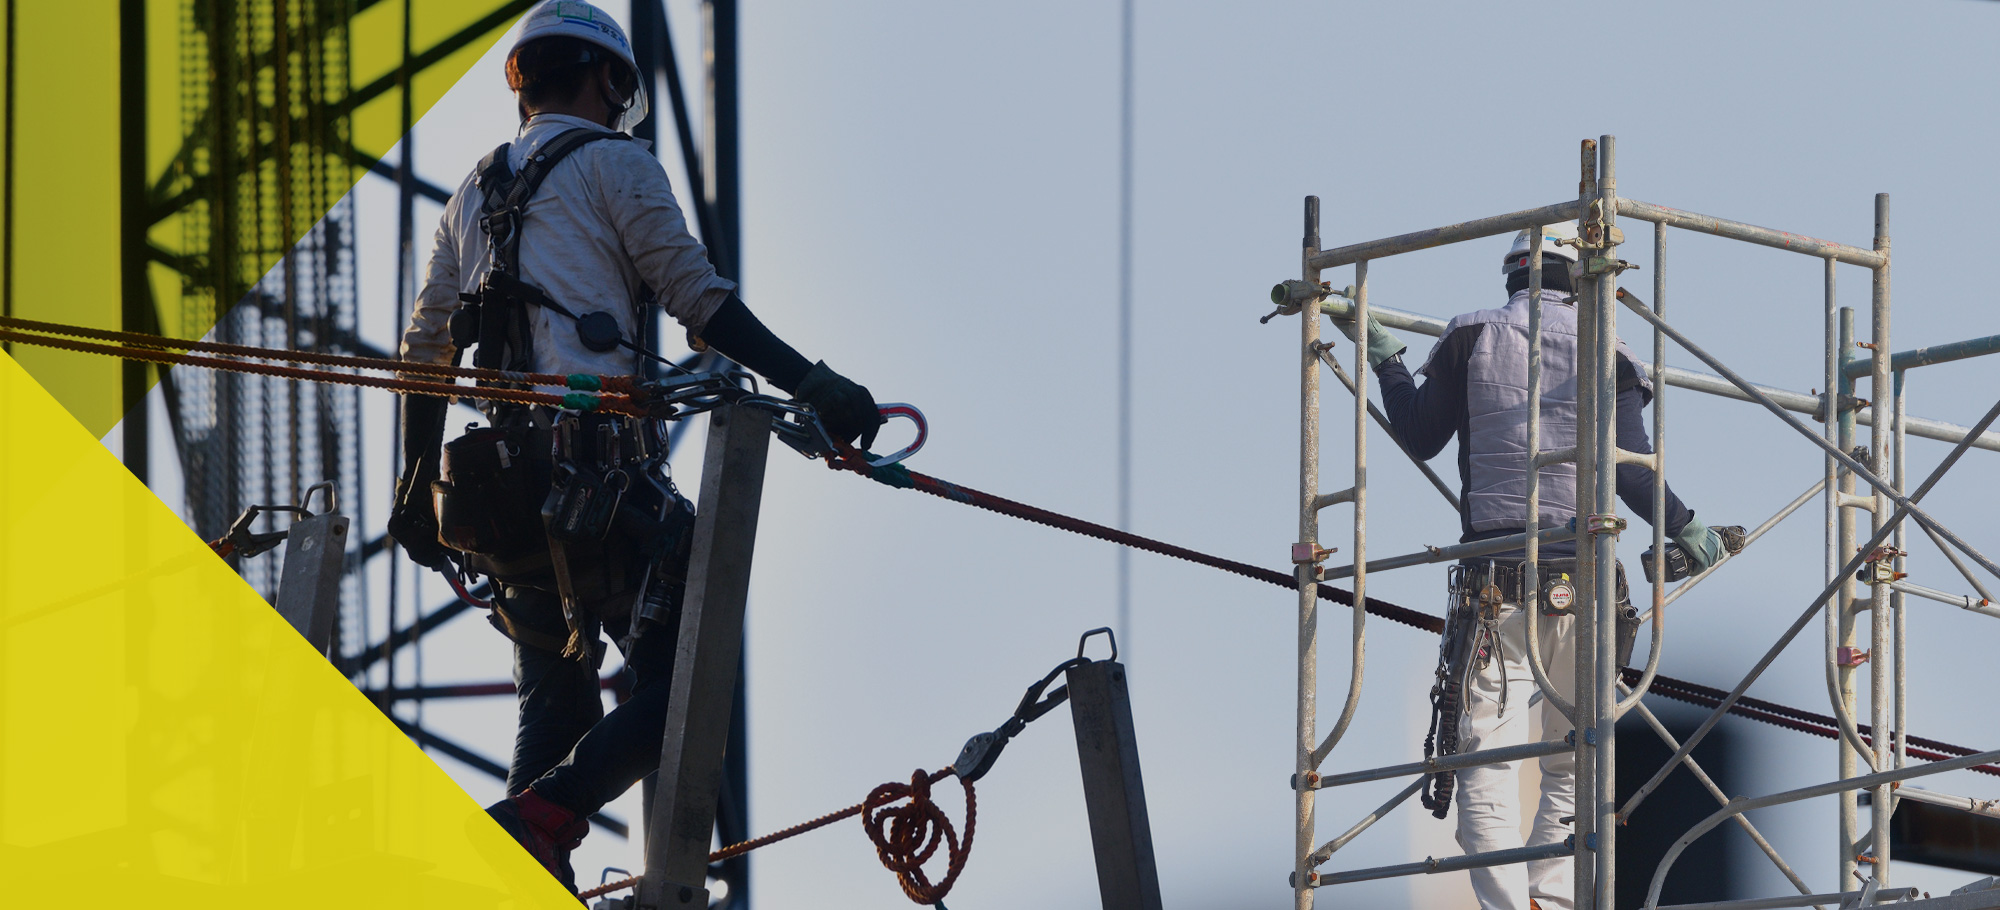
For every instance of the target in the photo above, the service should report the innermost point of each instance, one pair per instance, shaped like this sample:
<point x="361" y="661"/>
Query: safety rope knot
<point x="914" y="831"/>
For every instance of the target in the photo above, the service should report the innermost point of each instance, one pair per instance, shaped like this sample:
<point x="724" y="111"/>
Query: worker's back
<point x="1496" y="431"/>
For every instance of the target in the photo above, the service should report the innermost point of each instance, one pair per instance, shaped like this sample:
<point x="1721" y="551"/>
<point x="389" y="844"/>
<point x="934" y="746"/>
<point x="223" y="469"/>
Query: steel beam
<point x="706" y="661"/>
<point x="1107" y="750"/>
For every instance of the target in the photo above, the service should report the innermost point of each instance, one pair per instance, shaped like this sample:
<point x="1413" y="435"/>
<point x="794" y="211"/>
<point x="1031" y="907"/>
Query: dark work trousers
<point x="573" y="753"/>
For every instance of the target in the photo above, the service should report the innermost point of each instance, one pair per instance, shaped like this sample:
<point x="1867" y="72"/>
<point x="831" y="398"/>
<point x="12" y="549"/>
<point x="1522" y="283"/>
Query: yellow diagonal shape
<point x="167" y="740"/>
<point x="66" y="146"/>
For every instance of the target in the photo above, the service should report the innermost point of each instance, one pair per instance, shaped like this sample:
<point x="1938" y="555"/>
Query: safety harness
<point x="495" y="317"/>
<point x="608" y="472"/>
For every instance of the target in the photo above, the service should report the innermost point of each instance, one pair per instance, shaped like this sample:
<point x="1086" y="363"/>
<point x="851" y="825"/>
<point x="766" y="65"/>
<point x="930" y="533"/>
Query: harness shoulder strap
<point x="506" y="192"/>
<point x="548" y="156"/>
<point x="493" y="177"/>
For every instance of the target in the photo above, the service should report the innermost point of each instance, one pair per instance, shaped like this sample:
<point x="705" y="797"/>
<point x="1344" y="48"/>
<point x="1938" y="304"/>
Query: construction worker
<point x="1475" y="389"/>
<point x="543" y="261"/>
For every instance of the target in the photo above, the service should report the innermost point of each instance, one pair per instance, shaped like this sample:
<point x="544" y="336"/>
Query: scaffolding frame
<point x="1601" y="697"/>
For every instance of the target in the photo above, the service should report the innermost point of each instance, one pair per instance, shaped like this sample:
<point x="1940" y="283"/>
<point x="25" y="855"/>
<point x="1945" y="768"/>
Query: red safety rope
<point x="1664" y="686"/>
<point x="895" y="847"/>
<point x="905" y="836"/>
<point x="899" y="476"/>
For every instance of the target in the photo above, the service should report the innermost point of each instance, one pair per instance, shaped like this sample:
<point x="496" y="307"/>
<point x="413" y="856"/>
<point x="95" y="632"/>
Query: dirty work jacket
<point x="1476" y="389"/>
<point x="602" y="229"/>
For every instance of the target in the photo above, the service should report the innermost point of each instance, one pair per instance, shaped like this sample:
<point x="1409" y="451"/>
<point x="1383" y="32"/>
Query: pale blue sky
<point x="931" y="206"/>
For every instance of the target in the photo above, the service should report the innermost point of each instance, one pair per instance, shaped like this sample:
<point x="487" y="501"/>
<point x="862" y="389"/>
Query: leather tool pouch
<point x="487" y="496"/>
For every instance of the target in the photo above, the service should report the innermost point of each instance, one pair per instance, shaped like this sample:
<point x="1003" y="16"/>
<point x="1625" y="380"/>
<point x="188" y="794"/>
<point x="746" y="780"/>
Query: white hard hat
<point x="585" y="22"/>
<point x="1517" y="257"/>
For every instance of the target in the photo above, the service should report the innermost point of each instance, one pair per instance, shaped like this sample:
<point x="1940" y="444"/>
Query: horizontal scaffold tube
<point x="1737" y="230"/>
<point x="1923" y="357"/>
<point x="1837" y="899"/>
<point x="1449" y="234"/>
<point x="1797" y="402"/>
<point x="1987" y="807"/>
<point x="1449" y="864"/>
<point x="1498" y="756"/>
<point x="1455" y="551"/>
<point x="1740" y="805"/>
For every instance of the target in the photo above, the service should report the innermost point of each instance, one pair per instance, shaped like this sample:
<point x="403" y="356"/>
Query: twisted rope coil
<point x="913" y="833"/>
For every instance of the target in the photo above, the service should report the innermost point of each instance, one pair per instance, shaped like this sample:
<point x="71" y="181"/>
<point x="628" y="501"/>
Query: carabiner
<point x="908" y="412"/>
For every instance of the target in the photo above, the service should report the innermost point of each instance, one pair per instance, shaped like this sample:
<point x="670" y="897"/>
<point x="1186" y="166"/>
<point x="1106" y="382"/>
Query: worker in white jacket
<point x="545" y="260"/>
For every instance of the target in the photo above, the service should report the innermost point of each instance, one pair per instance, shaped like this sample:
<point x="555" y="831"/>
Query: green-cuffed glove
<point x="1382" y="343"/>
<point x="844" y="406"/>
<point x="1701" y="543"/>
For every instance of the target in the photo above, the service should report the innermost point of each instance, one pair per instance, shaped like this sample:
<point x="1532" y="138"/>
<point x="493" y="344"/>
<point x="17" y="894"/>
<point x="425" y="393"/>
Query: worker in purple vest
<point x="1476" y="390"/>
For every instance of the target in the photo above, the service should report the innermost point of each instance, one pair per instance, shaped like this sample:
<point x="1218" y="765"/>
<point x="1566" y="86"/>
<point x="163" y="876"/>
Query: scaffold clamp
<point x="1309" y="553"/>
<point x="1604" y="524"/>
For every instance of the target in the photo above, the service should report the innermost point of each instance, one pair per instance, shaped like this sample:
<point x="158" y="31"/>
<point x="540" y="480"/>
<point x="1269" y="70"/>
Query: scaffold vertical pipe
<point x="1307" y="569"/>
<point x="1604" y="536"/>
<point x="1359" y="618"/>
<point x="1658" y="608"/>
<point x="1840" y="616"/>
<point x="1531" y="577"/>
<point x="1583" y="629"/>
<point x="1896" y="597"/>
<point x="1880" y="695"/>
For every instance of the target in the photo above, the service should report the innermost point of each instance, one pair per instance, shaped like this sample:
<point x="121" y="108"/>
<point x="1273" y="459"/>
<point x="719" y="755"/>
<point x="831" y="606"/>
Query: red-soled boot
<point x="547" y="831"/>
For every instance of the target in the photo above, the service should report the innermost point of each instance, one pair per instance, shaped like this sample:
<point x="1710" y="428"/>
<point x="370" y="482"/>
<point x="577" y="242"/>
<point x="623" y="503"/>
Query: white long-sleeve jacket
<point x="602" y="229"/>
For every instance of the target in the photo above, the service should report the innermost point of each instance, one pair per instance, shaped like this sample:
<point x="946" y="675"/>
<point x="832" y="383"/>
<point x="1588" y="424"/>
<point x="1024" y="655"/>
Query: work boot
<point x="547" y="831"/>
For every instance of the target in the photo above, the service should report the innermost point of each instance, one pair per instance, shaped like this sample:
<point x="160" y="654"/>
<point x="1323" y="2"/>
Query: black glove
<point x="413" y="523"/>
<point x="413" y="515"/>
<point x="844" y="407"/>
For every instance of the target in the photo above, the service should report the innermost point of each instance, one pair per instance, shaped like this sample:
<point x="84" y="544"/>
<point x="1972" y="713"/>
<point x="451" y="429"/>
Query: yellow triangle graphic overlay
<point x="167" y="740"/>
<point x="66" y="216"/>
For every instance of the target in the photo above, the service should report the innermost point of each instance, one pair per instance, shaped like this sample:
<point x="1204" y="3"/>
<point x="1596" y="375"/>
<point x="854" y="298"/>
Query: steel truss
<point x="246" y="181"/>
<point x="1601" y="696"/>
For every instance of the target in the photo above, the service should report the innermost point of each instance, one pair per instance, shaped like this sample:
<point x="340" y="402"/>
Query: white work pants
<point x="1496" y="715"/>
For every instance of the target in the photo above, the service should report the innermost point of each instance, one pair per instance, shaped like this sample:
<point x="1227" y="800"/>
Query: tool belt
<point x="580" y="503"/>
<point x="1472" y="637"/>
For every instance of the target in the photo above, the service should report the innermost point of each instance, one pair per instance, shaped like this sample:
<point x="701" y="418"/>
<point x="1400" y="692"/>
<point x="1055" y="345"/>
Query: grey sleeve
<point x="640" y="204"/>
<point x="428" y="337"/>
